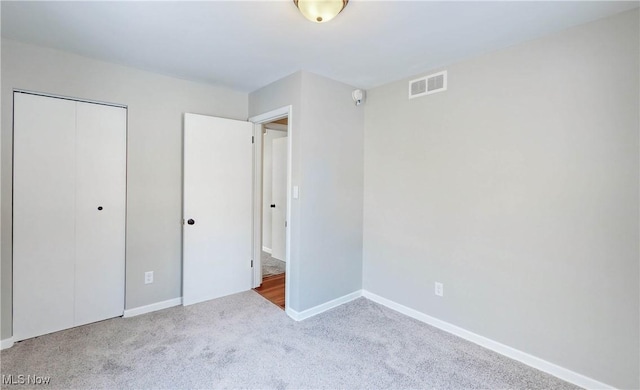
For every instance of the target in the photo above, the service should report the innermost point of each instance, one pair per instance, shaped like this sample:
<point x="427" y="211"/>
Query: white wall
<point x="267" y="140"/>
<point x="154" y="172"/>
<point x="326" y="223"/>
<point x="518" y="189"/>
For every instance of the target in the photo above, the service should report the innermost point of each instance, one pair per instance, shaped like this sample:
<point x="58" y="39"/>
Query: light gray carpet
<point x="271" y="266"/>
<point x="244" y="341"/>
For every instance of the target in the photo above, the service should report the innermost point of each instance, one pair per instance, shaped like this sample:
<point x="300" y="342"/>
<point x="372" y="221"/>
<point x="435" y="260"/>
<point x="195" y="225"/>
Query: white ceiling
<point x="246" y="45"/>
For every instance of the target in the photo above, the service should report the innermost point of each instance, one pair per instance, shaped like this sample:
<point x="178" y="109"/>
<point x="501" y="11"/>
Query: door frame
<point x="258" y="121"/>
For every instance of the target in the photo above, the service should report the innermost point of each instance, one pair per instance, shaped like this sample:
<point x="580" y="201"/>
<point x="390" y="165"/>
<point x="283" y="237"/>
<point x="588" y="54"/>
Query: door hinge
<point x="285" y="223"/>
<point x="183" y="221"/>
<point x="252" y="139"/>
<point x="251" y="263"/>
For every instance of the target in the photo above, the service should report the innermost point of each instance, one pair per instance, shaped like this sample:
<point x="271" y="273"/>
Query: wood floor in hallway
<point x="272" y="289"/>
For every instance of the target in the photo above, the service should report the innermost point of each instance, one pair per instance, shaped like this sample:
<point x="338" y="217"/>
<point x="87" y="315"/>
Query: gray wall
<point x="518" y="189"/>
<point x="154" y="195"/>
<point x="331" y="188"/>
<point x="326" y="223"/>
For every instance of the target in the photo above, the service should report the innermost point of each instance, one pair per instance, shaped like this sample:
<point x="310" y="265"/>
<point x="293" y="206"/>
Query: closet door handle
<point x="191" y="222"/>
<point x="273" y="206"/>
<point x="99" y="208"/>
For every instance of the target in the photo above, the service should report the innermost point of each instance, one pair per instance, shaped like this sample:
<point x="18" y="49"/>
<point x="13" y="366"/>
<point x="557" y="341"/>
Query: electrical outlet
<point x="148" y="277"/>
<point x="439" y="289"/>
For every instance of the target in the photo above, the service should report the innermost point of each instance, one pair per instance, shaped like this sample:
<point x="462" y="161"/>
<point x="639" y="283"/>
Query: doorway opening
<point x="272" y="205"/>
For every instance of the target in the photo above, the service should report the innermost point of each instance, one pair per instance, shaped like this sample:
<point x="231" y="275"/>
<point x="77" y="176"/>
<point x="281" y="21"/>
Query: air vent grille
<point x="427" y="85"/>
<point x="418" y="87"/>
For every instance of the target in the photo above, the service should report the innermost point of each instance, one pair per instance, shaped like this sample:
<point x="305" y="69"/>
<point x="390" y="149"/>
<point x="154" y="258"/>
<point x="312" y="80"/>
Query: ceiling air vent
<point x="433" y="83"/>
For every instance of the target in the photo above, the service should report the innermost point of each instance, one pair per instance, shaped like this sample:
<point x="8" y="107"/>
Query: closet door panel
<point x="100" y="212"/>
<point x="43" y="215"/>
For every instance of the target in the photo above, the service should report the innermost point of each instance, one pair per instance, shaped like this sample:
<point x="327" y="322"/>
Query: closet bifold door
<point x="100" y="212"/>
<point x="69" y="197"/>
<point x="43" y="215"/>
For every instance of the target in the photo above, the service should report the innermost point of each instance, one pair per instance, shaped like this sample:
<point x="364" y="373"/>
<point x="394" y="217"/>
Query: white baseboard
<point x="152" y="307"/>
<point x="523" y="357"/>
<point x="6" y="343"/>
<point x="265" y="249"/>
<point x="303" y="315"/>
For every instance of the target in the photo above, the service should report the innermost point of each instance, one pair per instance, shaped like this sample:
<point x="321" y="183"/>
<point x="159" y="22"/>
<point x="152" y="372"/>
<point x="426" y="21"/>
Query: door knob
<point x="273" y="206"/>
<point x="191" y="221"/>
<point x="100" y="208"/>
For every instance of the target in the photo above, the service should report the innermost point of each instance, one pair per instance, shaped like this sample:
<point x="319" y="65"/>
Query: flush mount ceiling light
<point x="320" y="11"/>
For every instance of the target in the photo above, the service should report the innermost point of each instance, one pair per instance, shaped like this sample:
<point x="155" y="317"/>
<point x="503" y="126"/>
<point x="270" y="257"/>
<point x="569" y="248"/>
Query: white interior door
<point x="43" y="215"/>
<point x="100" y="211"/>
<point x="218" y="191"/>
<point x="279" y="197"/>
<point x="267" y="137"/>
